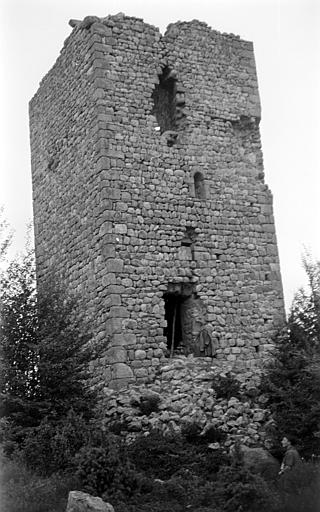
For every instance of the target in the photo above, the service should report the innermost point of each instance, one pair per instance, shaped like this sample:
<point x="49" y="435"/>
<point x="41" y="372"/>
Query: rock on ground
<point x="81" y="502"/>
<point x="260" y="461"/>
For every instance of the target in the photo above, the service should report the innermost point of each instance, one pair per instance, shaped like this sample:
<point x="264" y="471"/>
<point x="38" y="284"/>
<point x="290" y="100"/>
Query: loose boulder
<point x="81" y="502"/>
<point x="260" y="461"/>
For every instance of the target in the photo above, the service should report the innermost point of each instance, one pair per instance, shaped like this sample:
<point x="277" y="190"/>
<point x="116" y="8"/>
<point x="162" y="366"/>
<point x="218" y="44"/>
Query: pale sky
<point x="286" y="37"/>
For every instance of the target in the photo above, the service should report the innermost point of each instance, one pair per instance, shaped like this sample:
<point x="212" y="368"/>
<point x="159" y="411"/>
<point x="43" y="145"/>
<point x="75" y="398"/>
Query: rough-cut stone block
<point x="116" y="355"/>
<point x="82" y="502"/>
<point x="122" y="371"/>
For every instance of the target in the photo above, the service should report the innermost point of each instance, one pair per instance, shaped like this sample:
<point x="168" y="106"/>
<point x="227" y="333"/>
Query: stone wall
<point x="149" y="194"/>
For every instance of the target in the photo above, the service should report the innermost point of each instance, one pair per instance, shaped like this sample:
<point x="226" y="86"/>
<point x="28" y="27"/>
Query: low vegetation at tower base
<point x="54" y="442"/>
<point x="158" y="473"/>
<point x="196" y="469"/>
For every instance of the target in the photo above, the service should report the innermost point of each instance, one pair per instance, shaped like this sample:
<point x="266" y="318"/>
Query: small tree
<point x="5" y="235"/>
<point x="305" y="310"/>
<point x="45" y="352"/>
<point x="19" y="342"/>
<point x="292" y="382"/>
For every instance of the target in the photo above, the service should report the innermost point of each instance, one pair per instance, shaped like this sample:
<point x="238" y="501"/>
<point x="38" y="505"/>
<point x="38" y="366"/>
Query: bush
<point x="157" y="454"/>
<point x="292" y="381"/>
<point x="162" y="456"/>
<point x="237" y="489"/>
<point x="45" y="355"/>
<point x="51" y="447"/>
<point x="293" y="393"/>
<point x="193" y="433"/>
<point x="299" y="489"/>
<point x="226" y="386"/>
<point x="103" y="467"/>
<point x="149" y="404"/>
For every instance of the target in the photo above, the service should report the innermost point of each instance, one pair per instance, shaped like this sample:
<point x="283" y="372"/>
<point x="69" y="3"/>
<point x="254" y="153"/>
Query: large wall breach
<point x="149" y="194"/>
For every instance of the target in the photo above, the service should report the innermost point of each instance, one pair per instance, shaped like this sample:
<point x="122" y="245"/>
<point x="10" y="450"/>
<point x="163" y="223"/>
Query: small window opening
<point x="257" y="348"/>
<point x="199" y="186"/>
<point x="164" y="100"/>
<point x="189" y="239"/>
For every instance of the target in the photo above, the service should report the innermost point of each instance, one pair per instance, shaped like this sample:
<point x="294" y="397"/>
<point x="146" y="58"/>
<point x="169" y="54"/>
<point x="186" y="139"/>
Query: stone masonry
<point x="149" y="195"/>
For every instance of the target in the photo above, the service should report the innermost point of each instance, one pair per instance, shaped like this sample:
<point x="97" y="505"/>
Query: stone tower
<point x="149" y="194"/>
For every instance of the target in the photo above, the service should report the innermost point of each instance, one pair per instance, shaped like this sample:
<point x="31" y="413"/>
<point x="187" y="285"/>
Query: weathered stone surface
<point x="148" y="200"/>
<point x="122" y="371"/>
<point x="187" y="399"/>
<point x="82" y="502"/>
<point x="260" y="461"/>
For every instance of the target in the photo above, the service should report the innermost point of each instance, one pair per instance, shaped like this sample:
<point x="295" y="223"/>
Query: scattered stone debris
<point x="184" y="394"/>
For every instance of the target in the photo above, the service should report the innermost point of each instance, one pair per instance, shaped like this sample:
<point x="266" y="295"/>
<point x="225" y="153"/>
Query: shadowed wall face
<point x="149" y="194"/>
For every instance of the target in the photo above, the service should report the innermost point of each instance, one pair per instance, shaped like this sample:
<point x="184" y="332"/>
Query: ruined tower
<point x="149" y="194"/>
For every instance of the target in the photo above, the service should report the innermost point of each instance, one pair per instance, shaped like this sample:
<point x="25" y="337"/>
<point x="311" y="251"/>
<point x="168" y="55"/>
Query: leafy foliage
<point x="5" y="235"/>
<point x="162" y="456"/>
<point x="149" y="404"/>
<point x="239" y="489"/>
<point x="292" y="383"/>
<point x="52" y="446"/>
<point x="193" y="433"/>
<point x="305" y="310"/>
<point x="226" y="386"/>
<point x="103" y="467"/>
<point x="45" y="354"/>
<point x="19" y="343"/>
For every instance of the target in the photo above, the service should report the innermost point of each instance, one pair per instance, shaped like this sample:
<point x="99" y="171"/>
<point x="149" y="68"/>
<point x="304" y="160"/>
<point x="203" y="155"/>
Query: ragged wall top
<point x="117" y="206"/>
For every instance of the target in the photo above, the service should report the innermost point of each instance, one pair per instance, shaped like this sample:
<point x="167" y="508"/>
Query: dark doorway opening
<point x="173" y="331"/>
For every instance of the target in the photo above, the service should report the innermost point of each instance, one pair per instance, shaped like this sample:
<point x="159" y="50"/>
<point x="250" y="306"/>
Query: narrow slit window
<point x="199" y="186"/>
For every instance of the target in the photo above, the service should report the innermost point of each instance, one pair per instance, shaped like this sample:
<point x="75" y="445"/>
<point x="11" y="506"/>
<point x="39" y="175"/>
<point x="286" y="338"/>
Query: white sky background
<point x="286" y="37"/>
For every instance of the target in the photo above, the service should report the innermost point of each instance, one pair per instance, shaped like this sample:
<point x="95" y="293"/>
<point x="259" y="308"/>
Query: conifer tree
<point x="292" y="382"/>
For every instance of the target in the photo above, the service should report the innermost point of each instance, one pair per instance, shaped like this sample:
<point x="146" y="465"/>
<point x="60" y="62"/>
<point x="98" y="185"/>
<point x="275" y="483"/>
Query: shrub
<point x="45" y="355"/>
<point x="299" y="489"/>
<point x="178" y="494"/>
<point x="52" y="446"/>
<point x="226" y="386"/>
<point x="103" y="467"/>
<point x="293" y="393"/>
<point x="148" y="404"/>
<point x="292" y="381"/>
<point x="237" y="489"/>
<point x="163" y="456"/>
<point x="194" y="434"/>
<point x="157" y="454"/>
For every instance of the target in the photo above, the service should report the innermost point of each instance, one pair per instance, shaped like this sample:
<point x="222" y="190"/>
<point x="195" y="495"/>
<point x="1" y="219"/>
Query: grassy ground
<point x="23" y="491"/>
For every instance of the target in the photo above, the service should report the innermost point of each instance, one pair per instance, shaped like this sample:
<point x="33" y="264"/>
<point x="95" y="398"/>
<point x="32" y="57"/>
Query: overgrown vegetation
<point x="45" y="352"/>
<point x="53" y="442"/>
<point x="226" y="386"/>
<point x="292" y="383"/>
